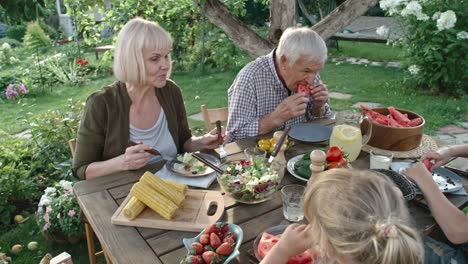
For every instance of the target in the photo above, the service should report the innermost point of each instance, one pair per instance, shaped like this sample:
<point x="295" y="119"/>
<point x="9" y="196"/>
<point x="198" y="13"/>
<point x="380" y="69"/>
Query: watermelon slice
<point x="303" y="88"/>
<point x="268" y="241"/>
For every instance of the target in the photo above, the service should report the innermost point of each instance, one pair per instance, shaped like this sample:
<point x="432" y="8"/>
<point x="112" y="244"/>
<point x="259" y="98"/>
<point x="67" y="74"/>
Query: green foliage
<point x="35" y="37"/>
<point x="19" y="11"/>
<point x="437" y="56"/>
<point x="17" y="188"/>
<point x="17" y="32"/>
<point x="28" y="166"/>
<point x="50" y="31"/>
<point x="195" y="41"/>
<point x="12" y="42"/>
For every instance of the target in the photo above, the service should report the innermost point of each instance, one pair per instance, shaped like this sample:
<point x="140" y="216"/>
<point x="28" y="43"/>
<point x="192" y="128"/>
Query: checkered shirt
<point x="255" y="93"/>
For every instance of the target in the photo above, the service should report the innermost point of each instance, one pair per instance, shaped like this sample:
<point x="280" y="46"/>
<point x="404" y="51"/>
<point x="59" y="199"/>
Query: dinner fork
<point x="222" y="151"/>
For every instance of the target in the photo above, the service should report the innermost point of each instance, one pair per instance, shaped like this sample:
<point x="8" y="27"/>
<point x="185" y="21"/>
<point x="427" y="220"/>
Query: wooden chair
<point x="212" y="115"/>
<point x="88" y="229"/>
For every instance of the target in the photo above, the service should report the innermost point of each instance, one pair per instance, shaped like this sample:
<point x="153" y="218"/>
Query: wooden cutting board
<point x="192" y="216"/>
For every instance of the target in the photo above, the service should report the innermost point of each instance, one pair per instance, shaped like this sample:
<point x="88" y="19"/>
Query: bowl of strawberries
<point x="217" y="244"/>
<point x="393" y="128"/>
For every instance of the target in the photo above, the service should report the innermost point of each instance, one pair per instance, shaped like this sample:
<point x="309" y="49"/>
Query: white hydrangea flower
<point x="462" y="35"/>
<point x="66" y="184"/>
<point x="446" y="20"/>
<point x="413" y="69"/>
<point x="422" y="17"/>
<point x="6" y="46"/>
<point x="50" y="190"/>
<point x="14" y="60"/>
<point x="391" y="5"/>
<point x="45" y="201"/>
<point x="413" y="8"/>
<point x="382" y="31"/>
<point x="436" y="15"/>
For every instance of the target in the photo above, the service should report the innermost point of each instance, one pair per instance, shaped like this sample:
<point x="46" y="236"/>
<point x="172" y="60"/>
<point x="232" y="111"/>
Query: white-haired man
<point x="265" y="97"/>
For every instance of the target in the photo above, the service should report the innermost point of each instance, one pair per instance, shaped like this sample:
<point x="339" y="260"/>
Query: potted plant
<point x="58" y="214"/>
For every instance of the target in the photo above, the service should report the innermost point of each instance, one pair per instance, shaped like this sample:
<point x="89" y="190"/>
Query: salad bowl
<point x="249" y="182"/>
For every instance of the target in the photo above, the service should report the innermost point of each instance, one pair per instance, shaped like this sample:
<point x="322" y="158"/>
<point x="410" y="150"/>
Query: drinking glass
<point x="293" y="202"/>
<point x="380" y="159"/>
<point x="254" y="153"/>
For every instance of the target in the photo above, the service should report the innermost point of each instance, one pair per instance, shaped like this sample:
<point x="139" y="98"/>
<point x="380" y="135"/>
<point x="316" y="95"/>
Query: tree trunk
<point x="342" y="16"/>
<point x="282" y="16"/>
<point x="248" y="40"/>
<point x="239" y="32"/>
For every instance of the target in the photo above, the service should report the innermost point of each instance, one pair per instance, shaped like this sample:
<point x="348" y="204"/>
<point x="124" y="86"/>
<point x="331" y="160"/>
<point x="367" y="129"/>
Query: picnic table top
<point x="99" y="198"/>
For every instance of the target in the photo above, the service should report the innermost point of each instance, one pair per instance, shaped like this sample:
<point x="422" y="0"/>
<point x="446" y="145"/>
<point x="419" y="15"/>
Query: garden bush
<point x="12" y="42"/>
<point x="35" y="37"/>
<point x="27" y="167"/>
<point x="16" y="32"/>
<point x="435" y="43"/>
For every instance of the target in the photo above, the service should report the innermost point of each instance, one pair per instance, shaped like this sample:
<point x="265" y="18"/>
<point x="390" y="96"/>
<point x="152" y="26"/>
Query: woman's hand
<point x="419" y="174"/>
<point x="135" y="157"/>
<point x="440" y="157"/>
<point x="211" y="139"/>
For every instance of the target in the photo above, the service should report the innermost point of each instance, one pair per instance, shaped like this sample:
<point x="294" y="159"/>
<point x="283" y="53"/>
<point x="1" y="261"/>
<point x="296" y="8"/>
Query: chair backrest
<point x="72" y="144"/>
<point x="212" y="115"/>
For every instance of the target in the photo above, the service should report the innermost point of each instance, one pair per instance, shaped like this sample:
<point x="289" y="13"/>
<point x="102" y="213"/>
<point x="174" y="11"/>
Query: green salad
<point x="302" y="166"/>
<point x="249" y="182"/>
<point x="190" y="164"/>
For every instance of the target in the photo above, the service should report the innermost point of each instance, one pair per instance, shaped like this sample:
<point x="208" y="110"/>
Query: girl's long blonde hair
<point x="362" y="216"/>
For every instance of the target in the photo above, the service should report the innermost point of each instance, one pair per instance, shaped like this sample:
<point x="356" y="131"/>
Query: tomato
<point x="303" y="88"/>
<point x="428" y="164"/>
<point x="333" y="165"/>
<point x="343" y="163"/>
<point x="334" y="154"/>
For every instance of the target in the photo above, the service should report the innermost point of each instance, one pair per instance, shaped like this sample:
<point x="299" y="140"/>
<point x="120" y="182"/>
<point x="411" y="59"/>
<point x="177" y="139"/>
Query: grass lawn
<point x="370" y="51"/>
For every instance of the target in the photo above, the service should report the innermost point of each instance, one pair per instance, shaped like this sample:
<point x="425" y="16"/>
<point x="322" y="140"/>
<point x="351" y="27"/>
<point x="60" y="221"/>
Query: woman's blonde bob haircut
<point x="361" y="215"/>
<point x="136" y="36"/>
<point x="299" y="42"/>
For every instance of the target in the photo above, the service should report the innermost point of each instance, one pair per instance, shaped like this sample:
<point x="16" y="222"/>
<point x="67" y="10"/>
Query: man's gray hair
<point x="301" y="42"/>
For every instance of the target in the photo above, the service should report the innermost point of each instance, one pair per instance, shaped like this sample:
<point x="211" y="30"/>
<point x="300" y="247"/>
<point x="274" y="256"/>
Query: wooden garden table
<point x="100" y="197"/>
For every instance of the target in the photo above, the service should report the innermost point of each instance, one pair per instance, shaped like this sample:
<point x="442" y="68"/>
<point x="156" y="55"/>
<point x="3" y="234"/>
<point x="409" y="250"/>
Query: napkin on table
<point x="201" y="182"/>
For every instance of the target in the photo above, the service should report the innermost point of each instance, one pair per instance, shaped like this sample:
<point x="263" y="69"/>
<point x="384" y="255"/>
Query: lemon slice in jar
<point x="347" y="133"/>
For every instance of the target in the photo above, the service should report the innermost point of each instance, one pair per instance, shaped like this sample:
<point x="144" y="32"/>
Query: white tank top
<point x="157" y="137"/>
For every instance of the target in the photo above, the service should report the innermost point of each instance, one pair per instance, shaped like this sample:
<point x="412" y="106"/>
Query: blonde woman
<point x="143" y="105"/>
<point x="354" y="217"/>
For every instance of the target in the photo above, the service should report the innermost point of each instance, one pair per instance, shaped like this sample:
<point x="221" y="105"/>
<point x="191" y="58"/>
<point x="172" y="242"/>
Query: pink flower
<point x="46" y="226"/>
<point x="39" y="210"/>
<point x="48" y="209"/>
<point x="10" y="92"/>
<point x="22" y="88"/>
<point x="71" y="213"/>
<point x="46" y="218"/>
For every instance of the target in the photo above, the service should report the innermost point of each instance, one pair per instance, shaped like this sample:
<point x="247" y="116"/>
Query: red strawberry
<point x="208" y="248"/>
<point x="189" y="259"/>
<point x="214" y="240"/>
<point x="229" y="240"/>
<point x="224" y="228"/>
<point x="196" y="248"/>
<point x="205" y="239"/>
<point x="230" y="235"/>
<point x="211" y="228"/>
<point x="225" y="249"/>
<point x="211" y="257"/>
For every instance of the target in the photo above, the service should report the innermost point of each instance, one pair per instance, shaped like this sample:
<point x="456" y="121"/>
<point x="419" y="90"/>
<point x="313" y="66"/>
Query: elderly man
<point x="265" y="96"/>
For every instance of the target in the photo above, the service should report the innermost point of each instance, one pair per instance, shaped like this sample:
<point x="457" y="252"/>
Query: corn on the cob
<point x="182" y="188"/>
<point x="133" y="208"/>
<point x="163" y="188"/>
<point x="154" y="200"/>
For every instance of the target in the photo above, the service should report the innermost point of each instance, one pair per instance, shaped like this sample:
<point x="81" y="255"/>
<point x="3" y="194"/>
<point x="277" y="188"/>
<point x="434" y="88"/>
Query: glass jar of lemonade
<point x="347" y="135"/>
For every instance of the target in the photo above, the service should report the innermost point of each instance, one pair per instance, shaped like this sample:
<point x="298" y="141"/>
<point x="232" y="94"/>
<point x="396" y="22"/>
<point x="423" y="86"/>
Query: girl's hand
<point x="440" y="157"/>
<point x="294" y="240"/>
<point x="135" y="157"/>
<point x="419" y="174"/>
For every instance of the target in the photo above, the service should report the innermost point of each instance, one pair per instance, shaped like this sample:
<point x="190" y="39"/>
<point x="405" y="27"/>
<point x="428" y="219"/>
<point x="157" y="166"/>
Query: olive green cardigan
<point x="104" y="127"/>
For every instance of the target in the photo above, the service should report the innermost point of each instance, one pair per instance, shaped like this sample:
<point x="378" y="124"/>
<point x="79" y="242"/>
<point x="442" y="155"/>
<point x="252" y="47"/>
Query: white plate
<point x="446" y="180"/>
<point x="290" y="167"/>
<point x="179" y="167"/>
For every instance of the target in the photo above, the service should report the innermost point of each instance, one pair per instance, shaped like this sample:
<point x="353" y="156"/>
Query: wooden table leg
<point x="90" y="243"/>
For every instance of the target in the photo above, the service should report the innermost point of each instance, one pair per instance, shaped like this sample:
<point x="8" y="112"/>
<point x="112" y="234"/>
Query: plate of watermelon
<point x="268" y="238"/>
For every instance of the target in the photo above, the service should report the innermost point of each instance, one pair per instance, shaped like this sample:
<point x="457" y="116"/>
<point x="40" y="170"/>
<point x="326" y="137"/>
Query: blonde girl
<point x="354" y="217"/>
